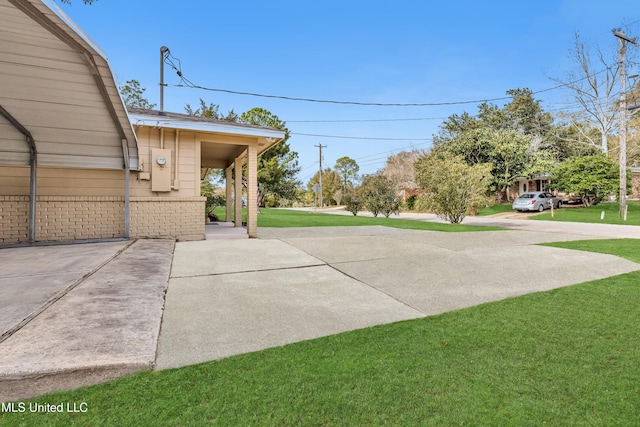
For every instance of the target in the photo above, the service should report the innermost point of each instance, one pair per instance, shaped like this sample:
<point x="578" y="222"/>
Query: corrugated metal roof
<point x="57" y="83"/>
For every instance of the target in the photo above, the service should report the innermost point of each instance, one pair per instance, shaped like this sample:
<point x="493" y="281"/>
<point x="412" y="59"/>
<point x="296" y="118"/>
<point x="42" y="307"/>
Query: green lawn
<point x="495" y="209"/>
<point x="293" y="218"/>
<point x="625" y="248"/>
<point x="570" y="356"/>
<point x="593" y="213"/>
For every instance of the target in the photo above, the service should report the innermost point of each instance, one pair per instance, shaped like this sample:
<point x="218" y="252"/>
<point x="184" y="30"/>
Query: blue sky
<point x="371" y="51"/>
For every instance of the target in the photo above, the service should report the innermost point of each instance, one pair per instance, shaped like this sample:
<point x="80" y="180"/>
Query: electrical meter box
<point x="160" y="170"/>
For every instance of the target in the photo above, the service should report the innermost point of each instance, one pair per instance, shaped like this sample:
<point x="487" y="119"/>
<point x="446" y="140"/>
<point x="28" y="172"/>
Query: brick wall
<point x="62" y="218"/>
<point x="65" y="218"/>
<point x="182" y="218"/>
<point x="14" y="219"/>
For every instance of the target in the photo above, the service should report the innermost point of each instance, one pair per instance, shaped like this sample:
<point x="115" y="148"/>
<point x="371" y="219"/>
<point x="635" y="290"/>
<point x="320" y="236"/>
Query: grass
<point x="570" y="356"/>
<point x="625" y="248"/>
<point x="495" y="209"/>
<point x="280" y="218"/>
<point x="592" y="214"/>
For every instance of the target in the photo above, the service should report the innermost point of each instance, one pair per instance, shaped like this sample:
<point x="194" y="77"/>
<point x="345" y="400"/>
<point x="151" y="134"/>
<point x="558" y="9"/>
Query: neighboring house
<point x="524" y="185"/>
<point x="635" y="183"/>
<point x="539" y="184"/>
<point x="75" y="166"/>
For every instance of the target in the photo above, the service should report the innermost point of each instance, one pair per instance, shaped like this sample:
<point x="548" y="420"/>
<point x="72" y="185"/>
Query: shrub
<point x="379" y="195"/>
<point x="453" y="189"/>
<point x="593" y="178"/>
<point x="352" y="202"/>
<point x="214" y="200"/>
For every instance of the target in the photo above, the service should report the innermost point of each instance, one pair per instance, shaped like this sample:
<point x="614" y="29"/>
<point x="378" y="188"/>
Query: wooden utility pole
<point x="623" y="122"/>
<point x="320" y="147"/>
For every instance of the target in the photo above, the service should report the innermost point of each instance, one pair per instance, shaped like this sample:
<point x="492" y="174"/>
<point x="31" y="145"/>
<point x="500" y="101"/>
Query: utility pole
<point x="163" y="52"/>
<point x="320" y="147"/>
<point x="623" y="121"/>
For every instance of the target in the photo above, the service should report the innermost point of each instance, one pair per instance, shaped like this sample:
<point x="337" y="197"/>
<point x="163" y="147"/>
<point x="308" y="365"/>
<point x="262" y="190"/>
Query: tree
<point x="278" y="166"/>
<point x="378" y="195"/>
<point x="573" y="139"/>
<point x="211" y="111"/>
<point x="84" y="1"/>
<point x="633" y="129"/>
<point x="330" y="185"/>
<point x="506" y="151"/>
<point x="593" y="88"/>
<point x="593" y="178"/>
<point x="453" y="188"/>
<point x="507" y="138"/>
<point x="399" y="168"/>
<point x="347" y="169"/>
<point x="132" y="94"/>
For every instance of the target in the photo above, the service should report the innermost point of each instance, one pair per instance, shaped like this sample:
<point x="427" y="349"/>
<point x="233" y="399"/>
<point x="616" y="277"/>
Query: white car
<point x="536" y="201"/>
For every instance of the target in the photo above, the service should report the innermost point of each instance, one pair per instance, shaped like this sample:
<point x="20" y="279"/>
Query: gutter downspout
<point x="127" y="201"/>
<point x="33" y="163"/>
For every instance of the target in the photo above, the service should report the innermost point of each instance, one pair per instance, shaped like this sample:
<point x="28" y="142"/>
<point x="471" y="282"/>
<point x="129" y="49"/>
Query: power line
<point x="360" y="137"/>
<point x="328" y="101"/>
<point x="366" y="120"/>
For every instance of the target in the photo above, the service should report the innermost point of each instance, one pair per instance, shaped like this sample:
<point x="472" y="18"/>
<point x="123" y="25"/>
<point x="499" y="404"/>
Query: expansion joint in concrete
<point x="41" y="309"/>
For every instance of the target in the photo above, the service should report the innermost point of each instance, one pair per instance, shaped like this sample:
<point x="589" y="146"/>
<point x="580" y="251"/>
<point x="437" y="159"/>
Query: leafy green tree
<point x="378" y="195"/>
<point x="133" y="95"/>
<point x="211" y="111"/>
<point x="593" y="178"/>
<point x="507" y="151"/>
<point x="507" y="138"/>
<point x="331" y="184"/>
<point x="347" y="169"/>
<point x="453" y="188"/>
<point x="278" y="166"/>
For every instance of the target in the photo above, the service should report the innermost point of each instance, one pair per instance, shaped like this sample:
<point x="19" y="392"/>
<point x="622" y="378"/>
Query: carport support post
<point x="252" y="191"/>
<point x="237" y="213"/>
<point x="229" y="204"/>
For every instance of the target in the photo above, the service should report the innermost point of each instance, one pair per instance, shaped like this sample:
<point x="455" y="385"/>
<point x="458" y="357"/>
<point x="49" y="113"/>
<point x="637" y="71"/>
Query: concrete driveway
<point x="293" y="284"/>
<point x="79" y="314"/>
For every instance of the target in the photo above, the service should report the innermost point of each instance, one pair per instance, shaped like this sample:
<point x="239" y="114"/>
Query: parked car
<point x="536" y="201"/>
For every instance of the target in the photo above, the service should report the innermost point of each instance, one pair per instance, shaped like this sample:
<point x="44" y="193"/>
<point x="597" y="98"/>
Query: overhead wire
<point x="171" y="61"/>
<point x="189" y="84"/>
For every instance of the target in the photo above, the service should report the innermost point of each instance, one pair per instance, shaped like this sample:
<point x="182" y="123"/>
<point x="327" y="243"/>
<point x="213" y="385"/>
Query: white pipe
<point x="177" y="147"/>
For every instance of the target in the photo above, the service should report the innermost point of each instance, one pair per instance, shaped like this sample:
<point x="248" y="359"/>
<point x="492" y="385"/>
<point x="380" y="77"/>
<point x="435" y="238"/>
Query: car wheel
<point x="559" y="205"/>
<point x="541" y="208"/>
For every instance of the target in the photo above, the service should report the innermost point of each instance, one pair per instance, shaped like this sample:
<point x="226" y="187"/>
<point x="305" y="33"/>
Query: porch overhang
<point x="221" y="142"/>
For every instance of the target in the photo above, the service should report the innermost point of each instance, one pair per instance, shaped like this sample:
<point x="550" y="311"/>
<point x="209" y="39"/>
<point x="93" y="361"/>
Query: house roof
<point x="222" y="141"/>
<point x="58" y="85"/>
<point x="142" y="117"/>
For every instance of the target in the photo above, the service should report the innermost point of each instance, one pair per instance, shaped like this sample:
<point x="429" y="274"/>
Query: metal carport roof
<point x="58" y="85"/>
